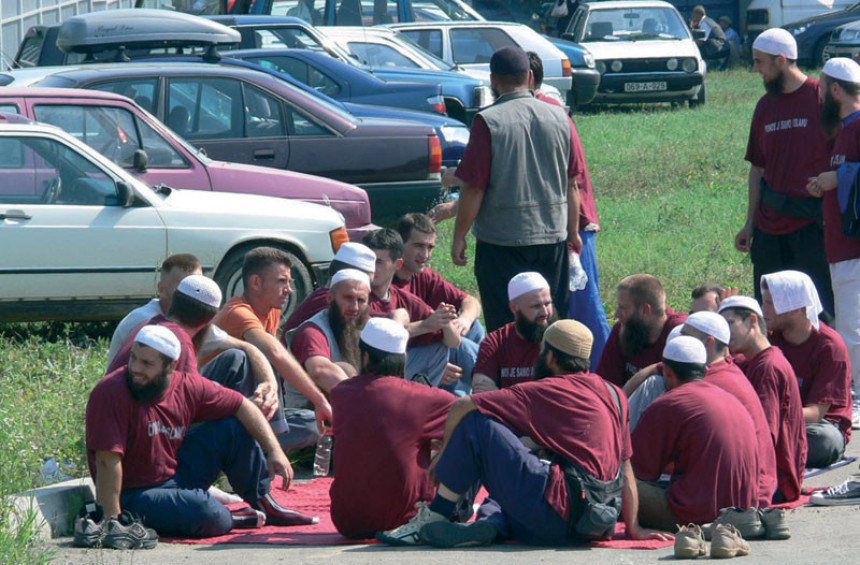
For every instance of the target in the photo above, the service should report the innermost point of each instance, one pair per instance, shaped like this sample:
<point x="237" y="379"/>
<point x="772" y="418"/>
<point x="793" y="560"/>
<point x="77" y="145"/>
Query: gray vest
<point x="292" y="397"/>
<point x="526" y="200"/>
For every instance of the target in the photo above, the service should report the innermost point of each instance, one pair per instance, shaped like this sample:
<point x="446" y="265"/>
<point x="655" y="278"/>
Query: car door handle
<point x="15" y="215"/>
<point x="264" y="154"/>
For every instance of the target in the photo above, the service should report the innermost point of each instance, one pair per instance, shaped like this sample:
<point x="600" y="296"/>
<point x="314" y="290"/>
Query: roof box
<point x="133" y="28"/>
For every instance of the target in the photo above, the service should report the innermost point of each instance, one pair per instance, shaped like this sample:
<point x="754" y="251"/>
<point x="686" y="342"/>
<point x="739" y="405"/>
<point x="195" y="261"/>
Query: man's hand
<point x="323" y="413"/>
<point x="452" y="374"/>
<point x="824" y="182"/>
<point x="458" y="252"/>
<point x="574" y="241"/>
<point x="728" y="291"/>
<point x="266" y="399"/>
<point x="443" y="211"/>
<point x="444" y="315"/>
<point x="461" y="325"/>
<point x="639" y="532"/>
<point x="743" y="239"/>
<point x="278" y="464"/>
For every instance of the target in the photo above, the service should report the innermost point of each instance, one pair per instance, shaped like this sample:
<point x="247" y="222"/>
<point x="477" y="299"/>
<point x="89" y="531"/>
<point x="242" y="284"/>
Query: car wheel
<point x="229" y="278"/>
<point x="699" y="101"/>
<point x="818" y="53"/>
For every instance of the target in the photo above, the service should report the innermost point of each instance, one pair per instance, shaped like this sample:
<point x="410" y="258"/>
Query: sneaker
<point x="775" y="525"/>
<point x="247" y="518"/>
<point x="89" y="525"/>
<point x="224" y="498"/>
<point x="128" y="532"/>
<point x="840" y="495"/>
<point x="450" y="534"/>
<point x="747" y="522"/>
<point x="690" y="542"/>
<point x="277" y="515"/>
<point x="727" y="541"/>
<point x="407" y="534"/>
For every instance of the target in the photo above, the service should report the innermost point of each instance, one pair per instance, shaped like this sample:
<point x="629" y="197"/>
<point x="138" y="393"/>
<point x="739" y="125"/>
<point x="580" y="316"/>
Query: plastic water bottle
<point x="322" y="457"/>
<point x="578" y="276"/>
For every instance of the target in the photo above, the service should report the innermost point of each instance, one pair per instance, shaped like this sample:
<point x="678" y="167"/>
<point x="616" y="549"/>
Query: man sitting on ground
<point x="774" y="381"/>
<point x="819" y="358"/>
<point x="566" y="410"/>
<point x="385" y="426"/>
<point x="145" y="457"/>
<point x="508" y="355"/>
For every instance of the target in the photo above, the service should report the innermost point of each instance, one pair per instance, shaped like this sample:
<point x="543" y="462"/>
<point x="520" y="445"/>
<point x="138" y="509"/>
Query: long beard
<point x="634" y="336"/>
<point x="533" y="331"/>
<point x="150" y="391"/>
<point x="830" y="120"/>
<point x="775" y="85"/>
<point x="347" y="333"/>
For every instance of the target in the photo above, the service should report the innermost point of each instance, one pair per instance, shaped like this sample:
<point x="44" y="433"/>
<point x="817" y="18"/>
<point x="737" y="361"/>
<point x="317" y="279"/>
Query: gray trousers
<point x="643" y="396"/>
<point x="825" y="444"/>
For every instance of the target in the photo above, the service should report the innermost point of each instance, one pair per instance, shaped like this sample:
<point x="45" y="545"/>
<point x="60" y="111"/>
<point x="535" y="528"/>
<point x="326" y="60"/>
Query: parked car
<point x="132" y="138"/>
<point x="643" y="50"/>
<point x="765" y="14"/>
<point x="82" y="238"/>
<point x="844" y="42"/>
<point x="812" y="34"/>
<point x="246" y="116"/>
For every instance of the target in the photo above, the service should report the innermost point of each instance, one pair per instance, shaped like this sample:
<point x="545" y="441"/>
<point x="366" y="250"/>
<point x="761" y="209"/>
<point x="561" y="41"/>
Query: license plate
<point x="644" y="86"/>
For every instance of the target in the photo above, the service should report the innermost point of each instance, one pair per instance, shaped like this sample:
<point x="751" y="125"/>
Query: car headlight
<point x="689" y="65"/>
<point x="455" y="134"/>
<point x="849" y="34"/>
<point x="588" y="58"/>
<point x="617" y="66"/>
<point x="672" y="64"/>
<point x="601" y="67"/>
<point x="483" y="96"/>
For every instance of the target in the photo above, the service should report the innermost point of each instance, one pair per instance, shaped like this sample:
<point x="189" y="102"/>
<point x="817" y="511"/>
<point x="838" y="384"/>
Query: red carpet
<point x="312" y="498"/>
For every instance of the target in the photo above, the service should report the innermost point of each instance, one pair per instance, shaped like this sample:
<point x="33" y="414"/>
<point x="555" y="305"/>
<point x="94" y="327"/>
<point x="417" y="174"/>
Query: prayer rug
<point x="811" y="472"/>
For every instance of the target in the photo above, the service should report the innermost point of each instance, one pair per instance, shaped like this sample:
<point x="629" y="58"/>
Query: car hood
<point x="373" y="111"/>
<point x="401" y="73"/>
<point x="602" y="50"/>
<point x="819" y="18"/>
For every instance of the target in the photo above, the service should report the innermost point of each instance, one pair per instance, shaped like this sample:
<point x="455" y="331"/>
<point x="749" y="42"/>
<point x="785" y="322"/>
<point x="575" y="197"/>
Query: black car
<point x="812" y="34"/>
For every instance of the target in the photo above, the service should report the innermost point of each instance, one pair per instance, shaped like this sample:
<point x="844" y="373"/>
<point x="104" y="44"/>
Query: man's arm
<point x="630" y="508"/>
<point x="814" y="413"/>
<point x="638" y="378"/>
<point x="483" y="383"/>
<point x="573" y="198"/>
<point x="470" y="309"/>
<point x="261" y="431"/>
<point x="266" y="393"/>
<point x="324" y="373"/>
<point x="109" y="482"/>
<point x="743" y="239"/>
<point x="470" y="202"/>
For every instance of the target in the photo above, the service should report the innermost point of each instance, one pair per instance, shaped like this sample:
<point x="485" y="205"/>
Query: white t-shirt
<point x="128" y="324"/>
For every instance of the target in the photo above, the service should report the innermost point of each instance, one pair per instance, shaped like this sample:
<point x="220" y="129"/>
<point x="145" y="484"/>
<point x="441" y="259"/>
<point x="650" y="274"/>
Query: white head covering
<point x="385" y="334"/>
<point x="776" y="41"/>
<point x="674" y="332"/>
<point x="685" y="349"/>
<point x="842" y="68"/>
<point x="161" y="339"/>
<point x="525" y="282"/>
<point x="202" y="289"/>
<point x="747" y="302"/>
<point x="712" y="324"/>
<point x="350" y="275"/>
<point x="792" y="290"/>
<point x="357" y="255"/>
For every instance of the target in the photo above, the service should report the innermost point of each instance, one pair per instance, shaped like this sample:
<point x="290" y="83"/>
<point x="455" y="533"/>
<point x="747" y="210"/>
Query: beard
<point x="151" y="391"/>
<point x="542" y="370"/>
<point x="830" y="119"/>
<point x="775" y="85"/>
<point x="635" y="336"/>
<point x="347" y="333"/>
<point x="533" y="331"/>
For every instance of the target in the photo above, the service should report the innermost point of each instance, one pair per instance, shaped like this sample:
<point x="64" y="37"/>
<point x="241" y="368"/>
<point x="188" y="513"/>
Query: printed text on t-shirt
<point x="786" y="124"/>
<point x="155" y="428"/>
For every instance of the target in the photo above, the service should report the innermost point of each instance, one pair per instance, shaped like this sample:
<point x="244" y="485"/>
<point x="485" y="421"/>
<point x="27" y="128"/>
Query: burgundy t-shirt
<point x="312" y="304"/>
<point x="728" y="377"/>
<point x="823" y="372"/>
<point x="418" y="310"/>
<point x="382" y="432"/>
<point x="147" y="435"/>
<point x="774" y="381"/>
<point x="707" y="436"/>
<point x="429" y="286"/>
<point x="310" y="341"/>
<point x="787" y="141"/>
<point x="187" y="362"/>
<point x="574" y="416"/>
<point x="840" y="247"/>
<point x="506" y="357"/>
<point x="617" y="368"/>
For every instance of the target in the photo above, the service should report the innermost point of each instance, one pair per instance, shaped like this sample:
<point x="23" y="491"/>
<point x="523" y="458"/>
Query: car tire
<point x="229" y="277"/>
<point x="700" y="99"/>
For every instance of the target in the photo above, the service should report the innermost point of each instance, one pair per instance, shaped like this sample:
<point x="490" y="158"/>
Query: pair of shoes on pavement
<point x="126" y="531"/>
<point x="277" y="515"/>
<point x="840" y="495"/>
<point x="726" y="542"/>
<point x="753" y="523"/>
<point x="431" y="528"/>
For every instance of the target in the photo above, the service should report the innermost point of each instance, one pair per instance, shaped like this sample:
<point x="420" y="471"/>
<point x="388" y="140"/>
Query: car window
<point x="438" y="10"/>
<point x="378" y="55"/>
<point x="283" y="37"/>
<point x="429" y="39"/>
<point x="205" y="108"/>
<point x="11" y="108"/>
<point x="31" y="48"/>
<point x="301" y="71"/>
<point x="36" y="170"/>
<point x="264" y="115"/>
<point x="477" y="45"/>
<point x="630" y="24"/>
<point x="365" y="12"/>
<point x="144" y="91"/>
<point x="299" y="123"/>
<point x="110" y="131"/>
<point x="309" y="10"/>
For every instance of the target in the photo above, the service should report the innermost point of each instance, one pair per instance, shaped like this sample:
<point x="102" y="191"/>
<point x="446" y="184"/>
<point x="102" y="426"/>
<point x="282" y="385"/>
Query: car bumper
<point x="849" y="50"/>
<point x="390" y="200"/>
<point x="585" y="84"/>
<point x="679" y="86"/>
<point x="563" y="84"/>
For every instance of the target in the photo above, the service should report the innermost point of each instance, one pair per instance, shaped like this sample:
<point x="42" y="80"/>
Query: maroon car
<point x="125" y="133"/>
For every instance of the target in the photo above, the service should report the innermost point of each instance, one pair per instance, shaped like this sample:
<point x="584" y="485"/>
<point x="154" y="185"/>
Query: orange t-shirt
<point x="238" y="317"/>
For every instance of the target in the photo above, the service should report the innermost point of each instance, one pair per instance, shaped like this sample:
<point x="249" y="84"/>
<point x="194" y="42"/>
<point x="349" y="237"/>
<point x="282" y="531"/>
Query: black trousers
<point x="800" y="250"/>
<point x="496" y="265"/>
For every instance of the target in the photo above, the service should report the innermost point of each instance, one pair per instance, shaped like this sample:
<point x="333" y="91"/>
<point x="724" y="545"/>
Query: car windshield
<point x="634" y="24"/>
<point x="279" y="37"/>
<point x="440" y="10"/>
<point x="431" y="58"/>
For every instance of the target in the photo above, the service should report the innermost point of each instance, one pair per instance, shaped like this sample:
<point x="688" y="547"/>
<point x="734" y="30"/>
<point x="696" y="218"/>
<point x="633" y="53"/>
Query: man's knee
<point x="825" y="444"/>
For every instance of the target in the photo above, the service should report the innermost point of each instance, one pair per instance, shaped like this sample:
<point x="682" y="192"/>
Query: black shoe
<point x="128" y="532"/>
<point x="277" y="515"/>
<point x="247" y="518"/>
<point x="451" y="534"/>
<point x="89" y="525"/>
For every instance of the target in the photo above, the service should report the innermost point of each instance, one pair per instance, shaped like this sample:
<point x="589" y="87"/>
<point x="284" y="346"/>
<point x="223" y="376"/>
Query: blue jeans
<point x="482" y="449"/>
<point x="464" y="357"/>
<point x="180" y="506"/>
<point x="430" y="360"/>
<point x="586" y="306"/>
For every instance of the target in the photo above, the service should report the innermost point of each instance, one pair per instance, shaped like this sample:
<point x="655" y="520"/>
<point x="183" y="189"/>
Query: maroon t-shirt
<point x="187" y="362"/>
<point x="707" y="436"/>
<point x="787" y="141"/>
<point x="147" y="435"/>
<point x="429" y="286"/>
<point x="838" y="246"/>
<point x="574" y="416"/>
<point x="728" y="377"/>
<point x="310" y="341"/>
<point x="314" y="302"/>
<point x="774" y="381"/>
<point x="823" y="372"/>
<point x="506" y="357"/>
<point x="617" y="368"/>
<point x="382" y="432"/>
<point x="418" y="310"/>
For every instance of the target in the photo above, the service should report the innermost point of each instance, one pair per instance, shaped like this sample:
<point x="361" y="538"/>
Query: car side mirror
<point x="698" y="34"/>
<point x="125" y="194"/>
<point x="140" y="161"/>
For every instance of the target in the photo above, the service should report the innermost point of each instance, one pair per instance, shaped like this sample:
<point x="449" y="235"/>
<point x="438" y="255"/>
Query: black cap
<point x="509" y="60"/>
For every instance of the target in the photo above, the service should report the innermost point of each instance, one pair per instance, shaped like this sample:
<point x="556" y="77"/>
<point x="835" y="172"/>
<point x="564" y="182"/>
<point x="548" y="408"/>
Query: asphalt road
<point x="819" y="535"/>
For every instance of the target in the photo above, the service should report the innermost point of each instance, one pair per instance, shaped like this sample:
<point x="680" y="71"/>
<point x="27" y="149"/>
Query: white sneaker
<point x="223" y="497"/>
<point x="407" y="534"/>
<point x="841" y="495"/>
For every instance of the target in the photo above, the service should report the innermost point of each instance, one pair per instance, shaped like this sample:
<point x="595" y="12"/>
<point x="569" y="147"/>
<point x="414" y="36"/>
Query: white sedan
<point x="81" y="239"/>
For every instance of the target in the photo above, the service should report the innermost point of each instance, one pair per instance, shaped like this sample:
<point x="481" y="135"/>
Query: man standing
<point x="519" y="193"/>
<point x="786" y="147"/>
<point x="508" y="355"/>
<point x="568" y="411"/>
<point x="840" y="88"/>
<point x="385" y="425"/>
<point x="819" y="359"/>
